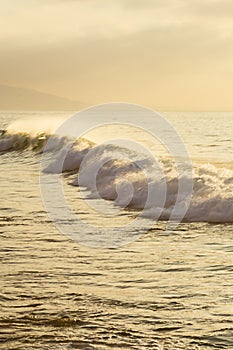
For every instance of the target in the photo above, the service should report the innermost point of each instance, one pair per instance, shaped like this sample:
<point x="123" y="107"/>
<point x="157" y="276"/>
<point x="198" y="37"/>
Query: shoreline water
<point x="163" y="290"/>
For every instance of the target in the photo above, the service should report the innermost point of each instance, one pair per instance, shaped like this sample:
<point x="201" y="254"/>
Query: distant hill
<point x="14" y="98"/>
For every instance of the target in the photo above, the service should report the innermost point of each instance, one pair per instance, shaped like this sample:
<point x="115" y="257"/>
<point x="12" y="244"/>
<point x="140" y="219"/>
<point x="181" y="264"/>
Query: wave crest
<point x="133" y="175"/>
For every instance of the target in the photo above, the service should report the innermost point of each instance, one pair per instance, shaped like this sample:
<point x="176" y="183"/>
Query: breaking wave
<point x="133" y="173"/>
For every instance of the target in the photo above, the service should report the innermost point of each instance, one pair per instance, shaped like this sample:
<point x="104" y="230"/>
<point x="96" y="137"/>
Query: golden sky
<point x="173" y="54"/>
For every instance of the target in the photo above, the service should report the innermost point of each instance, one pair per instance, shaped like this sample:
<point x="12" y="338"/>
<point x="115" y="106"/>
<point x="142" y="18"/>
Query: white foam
<point x="124" y="177"/>
<point x="127" y="185"/>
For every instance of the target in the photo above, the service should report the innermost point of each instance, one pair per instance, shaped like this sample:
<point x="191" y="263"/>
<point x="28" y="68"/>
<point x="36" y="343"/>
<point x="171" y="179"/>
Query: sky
<point x="165" y="54"/>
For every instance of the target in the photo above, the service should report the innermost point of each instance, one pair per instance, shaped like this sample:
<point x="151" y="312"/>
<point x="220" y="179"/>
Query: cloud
<point x="153" y="53"/>
<point x="211" y="8"/>
<point x="122" y="49"/>
<point x="55" y="21"/>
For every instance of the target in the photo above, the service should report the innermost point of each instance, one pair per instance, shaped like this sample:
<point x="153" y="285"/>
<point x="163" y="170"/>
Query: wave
<point x="128" y="177"/>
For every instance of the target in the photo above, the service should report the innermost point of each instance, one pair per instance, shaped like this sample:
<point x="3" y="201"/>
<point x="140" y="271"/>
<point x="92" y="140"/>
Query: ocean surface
<point x="100" y="282"/>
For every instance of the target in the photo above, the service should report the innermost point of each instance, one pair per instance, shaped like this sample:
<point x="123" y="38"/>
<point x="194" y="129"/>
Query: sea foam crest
<point x="212" y="197"/>
<point x="134" y="175"/>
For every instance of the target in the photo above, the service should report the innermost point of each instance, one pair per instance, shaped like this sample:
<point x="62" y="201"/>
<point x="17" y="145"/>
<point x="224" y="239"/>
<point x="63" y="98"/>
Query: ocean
<point x="87" y="261"/>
